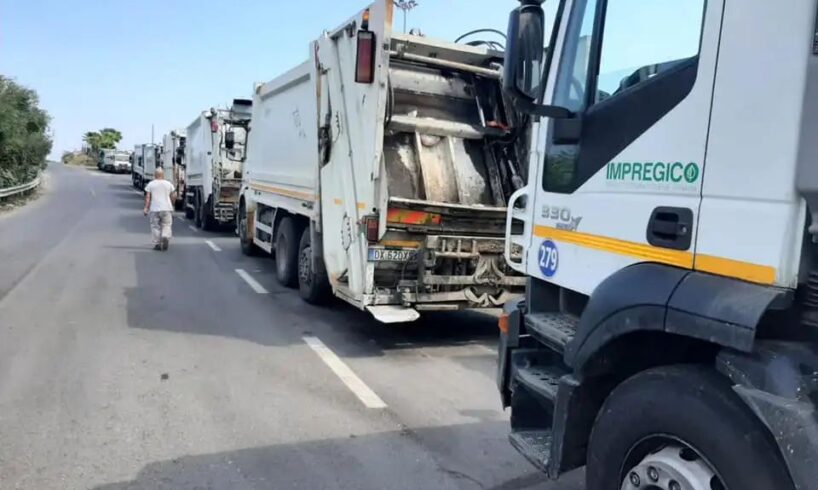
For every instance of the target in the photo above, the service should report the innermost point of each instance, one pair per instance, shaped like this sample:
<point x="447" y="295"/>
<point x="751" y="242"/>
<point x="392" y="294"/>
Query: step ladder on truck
<point x="669" y="233"/>
<point x="379" y="171"/>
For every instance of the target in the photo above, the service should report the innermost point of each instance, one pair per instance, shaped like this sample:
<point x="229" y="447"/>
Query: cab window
<point x="643" y="39"/>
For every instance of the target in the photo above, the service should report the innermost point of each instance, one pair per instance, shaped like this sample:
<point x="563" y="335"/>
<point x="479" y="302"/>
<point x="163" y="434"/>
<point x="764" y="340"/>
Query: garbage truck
<point x="379" y="171"/>
<point x="215" y="148"/>
<point x="173" y="162"/>
<point x="115" y="161"/>
<point x="137" y="167"/>
<point x="668" y="229"/>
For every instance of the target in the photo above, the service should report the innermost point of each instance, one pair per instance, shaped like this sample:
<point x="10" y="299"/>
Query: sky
<point x="128" y="64"/>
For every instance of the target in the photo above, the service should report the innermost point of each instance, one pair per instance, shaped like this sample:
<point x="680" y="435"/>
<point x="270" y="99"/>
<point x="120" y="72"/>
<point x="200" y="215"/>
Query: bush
<point x="24" y="142"/>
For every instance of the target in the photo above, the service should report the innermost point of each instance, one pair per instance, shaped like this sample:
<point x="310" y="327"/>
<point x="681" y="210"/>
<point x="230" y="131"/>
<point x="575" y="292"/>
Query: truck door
<point x="620" y="183"/>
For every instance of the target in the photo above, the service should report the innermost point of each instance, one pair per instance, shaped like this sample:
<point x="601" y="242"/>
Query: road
<point x="126" y="368"/>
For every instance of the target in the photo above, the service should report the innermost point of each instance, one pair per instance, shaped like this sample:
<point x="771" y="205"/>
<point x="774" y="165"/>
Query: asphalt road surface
<point x="126" y="368"/>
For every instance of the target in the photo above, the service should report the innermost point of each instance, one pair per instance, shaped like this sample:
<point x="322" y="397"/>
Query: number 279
<point x="548" y="259"/>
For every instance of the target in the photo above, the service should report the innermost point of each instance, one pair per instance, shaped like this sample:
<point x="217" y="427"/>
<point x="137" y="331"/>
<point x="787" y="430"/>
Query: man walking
<point x="159" y="197"/>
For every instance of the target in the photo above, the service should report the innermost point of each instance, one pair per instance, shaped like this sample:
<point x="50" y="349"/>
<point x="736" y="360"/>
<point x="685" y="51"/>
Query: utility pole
<point x="406" y="6"/>
<point x="151" y="133"/>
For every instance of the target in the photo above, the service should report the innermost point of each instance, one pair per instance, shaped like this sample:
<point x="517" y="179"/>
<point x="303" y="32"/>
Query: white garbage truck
<point x="215" y="148"/>
<point x="145" y="159"/>
<point x="137" y="167"/>
<point x="379" y="170"/>
<point x="668" y="339"/>
<point x="150" y="161"/>
<point x="173" y="162"/>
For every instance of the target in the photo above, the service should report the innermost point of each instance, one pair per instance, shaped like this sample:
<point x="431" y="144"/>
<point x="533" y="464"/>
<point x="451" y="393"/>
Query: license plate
<point x="390" y="255"/>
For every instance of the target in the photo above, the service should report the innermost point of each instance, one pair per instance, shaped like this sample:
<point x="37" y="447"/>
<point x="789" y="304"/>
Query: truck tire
<point x="247" y="246"/>
<point x="286" y="247"/>
<point x="684" y="418"/>
<point x="209" y="222"/>
<point x="188" y="212"/>
<point x="197" y="210"/>
<point x="313" y="285"/>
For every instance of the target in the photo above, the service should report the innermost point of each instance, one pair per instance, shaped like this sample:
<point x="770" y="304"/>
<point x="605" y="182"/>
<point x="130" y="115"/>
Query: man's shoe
<point x="157" y="247"/>
<point x="165" y="243"/>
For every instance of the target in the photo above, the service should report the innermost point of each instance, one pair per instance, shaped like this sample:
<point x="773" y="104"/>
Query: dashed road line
<point x="193" y="228"/>
<point x="355" y="384"/>
<point x="212" y="245"/>
<point x="257" y="287"/>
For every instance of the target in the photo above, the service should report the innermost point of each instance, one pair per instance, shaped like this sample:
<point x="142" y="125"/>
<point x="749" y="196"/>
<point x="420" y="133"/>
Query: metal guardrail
<point x="19" y="189"/>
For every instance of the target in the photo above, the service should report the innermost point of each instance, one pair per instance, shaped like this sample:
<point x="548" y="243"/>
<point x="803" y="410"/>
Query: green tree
<point x="24" y="139"/>
<point x="104" y="139"/>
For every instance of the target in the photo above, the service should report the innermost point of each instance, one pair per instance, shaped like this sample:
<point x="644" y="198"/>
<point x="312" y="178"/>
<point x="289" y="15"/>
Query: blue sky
<point x="129" y="63"/>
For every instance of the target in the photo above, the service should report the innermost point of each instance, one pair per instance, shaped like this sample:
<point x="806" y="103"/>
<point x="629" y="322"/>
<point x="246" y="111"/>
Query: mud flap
<point x="393" y="313"/>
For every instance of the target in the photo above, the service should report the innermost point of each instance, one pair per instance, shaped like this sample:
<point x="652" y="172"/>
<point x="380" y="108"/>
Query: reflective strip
<point x="761" y="274"/>
<point x="745" y="271"/>
<point x="408" y="217"/>
<point x="340" y="202"/>
<point x="399" y="243"/>
<point x="631" y="249"/>
<point x="282" y="192"/>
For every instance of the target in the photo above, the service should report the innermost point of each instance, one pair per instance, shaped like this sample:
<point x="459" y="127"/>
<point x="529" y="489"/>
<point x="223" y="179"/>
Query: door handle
<point x="671" y="228"/>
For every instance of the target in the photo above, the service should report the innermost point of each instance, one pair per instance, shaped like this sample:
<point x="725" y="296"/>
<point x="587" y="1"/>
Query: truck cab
<point x="667" y="229"/>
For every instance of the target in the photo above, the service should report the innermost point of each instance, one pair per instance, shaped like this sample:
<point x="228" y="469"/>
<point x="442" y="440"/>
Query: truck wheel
<point x="681" y="427"/>
<point x="208" y="221"/>
<point x="287" y="253"/>
<point x="188" y="212"/>
<point x="197" y="210"/>
<point x="247" y="245"/>
<point x="313" y="285"/>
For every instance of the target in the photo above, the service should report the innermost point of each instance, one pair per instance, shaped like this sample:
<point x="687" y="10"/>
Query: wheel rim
<point x="672" y="465"/>
<point x="304" y="269"/>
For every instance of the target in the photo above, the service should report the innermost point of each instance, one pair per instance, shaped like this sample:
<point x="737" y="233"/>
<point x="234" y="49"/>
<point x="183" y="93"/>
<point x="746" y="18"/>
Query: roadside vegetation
<point x="94" y="141"/>
<point x="24" y="139"/>
<point x="104" y="139"/>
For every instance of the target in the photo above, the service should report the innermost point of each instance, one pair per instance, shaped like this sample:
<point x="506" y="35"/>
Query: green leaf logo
<point x="691" y="173"/>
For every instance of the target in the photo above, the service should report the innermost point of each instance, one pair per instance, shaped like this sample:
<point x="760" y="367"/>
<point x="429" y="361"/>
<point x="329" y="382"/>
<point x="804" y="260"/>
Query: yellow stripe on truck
<point x="620" y="247"/>
<point x="761" y="274"/>
<point x="282" y="192"/>
<point x="716" y="265"/>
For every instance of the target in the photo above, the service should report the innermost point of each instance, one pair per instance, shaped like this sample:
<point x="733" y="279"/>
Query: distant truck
<point x="137" y="167"/>
<point x="115" y="161"/>
<point x="146" y="158"/>
<point x="173" y="162"/>
<point x="380" y="170"/>
<point x="214" y="152"/>
<point x="151" y="160"/>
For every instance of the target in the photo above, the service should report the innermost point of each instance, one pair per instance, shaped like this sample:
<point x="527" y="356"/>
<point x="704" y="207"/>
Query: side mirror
<point x="525" y="50"/>
<point x="229" y="140"/>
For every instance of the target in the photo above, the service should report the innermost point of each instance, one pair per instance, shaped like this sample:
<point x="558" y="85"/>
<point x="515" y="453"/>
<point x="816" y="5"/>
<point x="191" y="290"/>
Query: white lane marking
<point x="192" y="227"/>
<point x="94" y="194"/>
<point x="252" y="282"/>
<point x="213" y="246"/>
<point x="345" y="373"/>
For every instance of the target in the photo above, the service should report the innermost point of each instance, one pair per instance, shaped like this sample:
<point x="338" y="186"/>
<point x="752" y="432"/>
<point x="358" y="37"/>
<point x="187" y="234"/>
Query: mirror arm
<point x="550" y="111"/>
